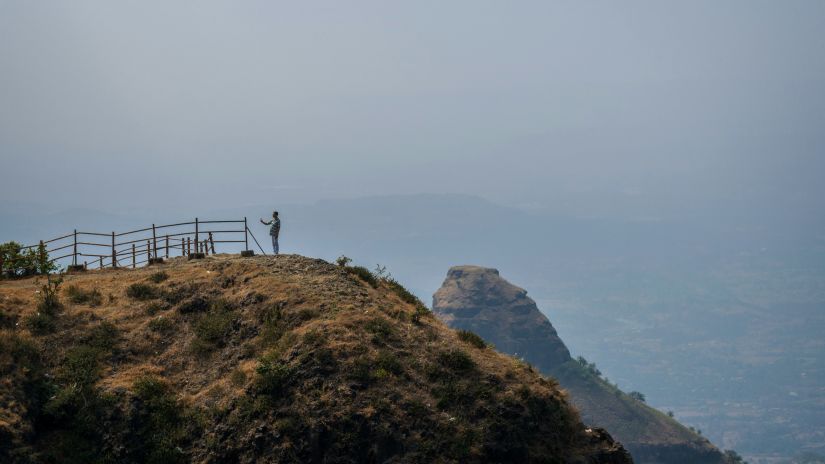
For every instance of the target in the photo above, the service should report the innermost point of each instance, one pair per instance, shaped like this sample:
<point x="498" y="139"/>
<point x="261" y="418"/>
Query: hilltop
<point x="479" y="299"/>
<point x="264" y="359"/>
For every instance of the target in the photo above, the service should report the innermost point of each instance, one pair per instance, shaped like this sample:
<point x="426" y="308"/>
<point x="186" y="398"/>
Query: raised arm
<point x="265" y="223"/>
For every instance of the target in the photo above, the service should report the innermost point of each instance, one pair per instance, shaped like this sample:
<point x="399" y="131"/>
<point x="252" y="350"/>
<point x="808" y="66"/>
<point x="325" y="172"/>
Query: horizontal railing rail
<point x="145" y="245"/>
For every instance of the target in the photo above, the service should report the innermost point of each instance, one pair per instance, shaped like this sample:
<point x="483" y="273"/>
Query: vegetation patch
<point x="456" y="361"/>
<point x="48" y="305"/>
<point x="381" y="329"/>
<point x="212" y="329"/>
<point x="196" y="304"/>
<point x="163" y="325"/>
<point x="155" y="307"/>
<point x="143" y="292"/>
<point x="387" y="362"/>
<point x="472" y="338"/>
<point x="78" y="295"/>
<point x="272" y="376"/>
<point x="364" y="274"/>
<point x="158" y="277"/>
<point x="163" y="423"/>
<point x="103" y="337"/>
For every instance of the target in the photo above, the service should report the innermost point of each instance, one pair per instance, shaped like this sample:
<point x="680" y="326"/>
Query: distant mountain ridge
<point x="478" y="299"/>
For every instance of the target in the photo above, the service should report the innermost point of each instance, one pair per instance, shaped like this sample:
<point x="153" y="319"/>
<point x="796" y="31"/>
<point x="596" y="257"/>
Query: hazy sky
<point x="652" y="107"/>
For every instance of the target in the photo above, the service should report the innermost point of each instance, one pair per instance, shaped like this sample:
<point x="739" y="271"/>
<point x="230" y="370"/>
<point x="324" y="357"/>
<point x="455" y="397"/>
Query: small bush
<point x="49" y="298"/>
<point x="456" y="360"/>
<point x="388" y="362"/>
<point x="102" y="337"/>
<point x="363" y="274"/>
<point x="78" y="295"/>
<point x="213" y="327"/>
<point x="272" y="377"/>
<point x="405" y="295"/>
<point x="420" y="311"/>
<point x="638" y="396"/>
<point x="158" y="277"/>
<point x="164" y="422"/>
<point x="23" y="350"/>
<point x="81" y="366"/>
<point x="143" y="292"/>
<point x="238" y="378"/>
<point x="343" y="261"/>
<point x="154" y="308"/>
<point x="382" y="331"/>
<point x="162" y="325"/>
<point x="472" y="338"/>
<point x="197" y="304"/>
<point x="40" y="323"/>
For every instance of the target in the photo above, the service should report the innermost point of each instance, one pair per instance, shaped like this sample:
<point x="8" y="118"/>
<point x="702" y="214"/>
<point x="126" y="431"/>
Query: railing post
<point x="245" y="235"/>
<point x="74" y="251"/>
<point x="166" y="252"/>
<point x="148" y="252"/>
<point x="188" y="245"/>
<point x="182" y="246"/>
<point x="212" y="242"/>
<point x="114" y="254"/>
<point x="134" y="260"/>
<point x="196" y="235"/>
<point x="101" y="262"/>
<point x="154" y="241"/>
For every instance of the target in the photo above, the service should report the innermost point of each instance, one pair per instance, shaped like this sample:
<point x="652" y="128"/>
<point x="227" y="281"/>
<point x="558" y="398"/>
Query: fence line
<point x="146" y="245"/>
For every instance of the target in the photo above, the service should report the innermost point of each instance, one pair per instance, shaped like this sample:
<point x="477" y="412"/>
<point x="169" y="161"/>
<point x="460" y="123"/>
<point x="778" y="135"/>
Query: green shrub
<point x="272" y="377"/>
<point x="472" y="338"/>
<point x="196" y="304"/>
<point x="638" y="396"/>
<point x="102" y="337"/>
<point x="238" y="378"/>
<point x="381" y="329"/>
<point x="420" y="311"/>
<point x="7" y="321"/>
<point x="405" y="295"/>
<point x="154" y="308"/>
<point x="164" y="424"/>
<point x="49" y="298"/>
<point x="142" y="292"/>
<point x="158" y="277"/>
<point x="456" y="360"/>
<point x="23" y="350"/>
<point x="363" y="274"/>
<point x="161" y="325"/>
<point x="40" y="323"/>
<point x="81" y="365"/>
<point x="78" y="295"/>
<point x="213" y="327"/>
<point x="388" y="362"/>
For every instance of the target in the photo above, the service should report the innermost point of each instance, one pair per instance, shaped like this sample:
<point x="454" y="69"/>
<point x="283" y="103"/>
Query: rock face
<point x="478" y="299"/>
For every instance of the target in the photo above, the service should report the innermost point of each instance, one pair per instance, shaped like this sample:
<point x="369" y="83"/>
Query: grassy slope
<point x="261" y="360"/>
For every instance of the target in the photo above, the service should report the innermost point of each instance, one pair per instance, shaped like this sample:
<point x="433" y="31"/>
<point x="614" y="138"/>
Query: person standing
<point x="274" y="230"/>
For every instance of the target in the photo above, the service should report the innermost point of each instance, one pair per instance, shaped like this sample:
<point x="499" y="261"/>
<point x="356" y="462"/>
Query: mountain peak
<point x="265" y="359"/>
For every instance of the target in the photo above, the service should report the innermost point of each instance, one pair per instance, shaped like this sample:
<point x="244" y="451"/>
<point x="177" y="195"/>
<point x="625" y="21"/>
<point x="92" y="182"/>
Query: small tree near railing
<point x="17" y="262"/>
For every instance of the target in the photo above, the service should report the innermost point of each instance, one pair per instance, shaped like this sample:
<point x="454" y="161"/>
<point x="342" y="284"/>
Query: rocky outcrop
<point x="478" y="299"/>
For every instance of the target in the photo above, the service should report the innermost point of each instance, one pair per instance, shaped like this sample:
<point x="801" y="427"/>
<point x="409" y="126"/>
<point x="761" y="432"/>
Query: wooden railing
<point x="146" y="245"/>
